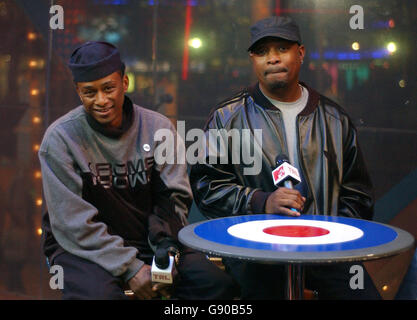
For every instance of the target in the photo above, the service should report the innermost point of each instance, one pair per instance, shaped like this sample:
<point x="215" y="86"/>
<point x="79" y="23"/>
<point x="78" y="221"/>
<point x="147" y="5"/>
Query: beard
<point x="274" y="85"/>
<point x="274" y="82"/>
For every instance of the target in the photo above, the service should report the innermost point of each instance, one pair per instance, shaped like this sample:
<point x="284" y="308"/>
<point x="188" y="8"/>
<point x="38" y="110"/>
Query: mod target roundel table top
<point x="304" y="239"/>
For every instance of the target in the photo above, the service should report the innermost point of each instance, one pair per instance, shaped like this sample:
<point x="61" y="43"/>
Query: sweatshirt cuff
<point x="258" y="201"/>
<point x="132" y="269"/>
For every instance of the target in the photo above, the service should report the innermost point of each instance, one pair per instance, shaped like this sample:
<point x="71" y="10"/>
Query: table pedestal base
<point x="295" y="282"/>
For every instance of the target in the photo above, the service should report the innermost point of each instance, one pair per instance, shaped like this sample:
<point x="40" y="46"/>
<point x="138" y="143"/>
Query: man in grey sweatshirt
<point x="110" y="202"/>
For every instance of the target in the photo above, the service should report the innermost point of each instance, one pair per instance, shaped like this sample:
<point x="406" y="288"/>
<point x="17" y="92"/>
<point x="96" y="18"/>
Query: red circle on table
<point x="296" y="231"/>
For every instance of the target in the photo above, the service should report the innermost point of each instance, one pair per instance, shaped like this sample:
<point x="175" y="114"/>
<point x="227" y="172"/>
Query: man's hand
<point x="282" y="200"/>
<point x="141" y="283"/>
<point x="165" y="289"/>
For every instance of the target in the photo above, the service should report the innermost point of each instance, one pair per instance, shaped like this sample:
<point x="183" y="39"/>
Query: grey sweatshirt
<point x="106" y="194"/>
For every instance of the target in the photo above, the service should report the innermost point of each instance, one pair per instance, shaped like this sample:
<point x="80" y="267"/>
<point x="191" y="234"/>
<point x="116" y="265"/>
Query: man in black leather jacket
<point x="319" y="139"/>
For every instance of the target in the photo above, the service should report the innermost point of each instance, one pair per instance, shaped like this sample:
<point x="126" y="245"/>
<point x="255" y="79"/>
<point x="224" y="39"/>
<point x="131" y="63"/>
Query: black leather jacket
<point x="330" y="159"/>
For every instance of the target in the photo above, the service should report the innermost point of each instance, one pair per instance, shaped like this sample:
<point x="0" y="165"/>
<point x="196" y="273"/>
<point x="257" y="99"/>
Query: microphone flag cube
<point x="162" y="275"/>
<point x="284" y="172"/>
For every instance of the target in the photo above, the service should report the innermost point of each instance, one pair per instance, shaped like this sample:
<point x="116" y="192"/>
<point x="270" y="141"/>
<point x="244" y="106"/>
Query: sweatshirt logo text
<point x="122" y="175"/>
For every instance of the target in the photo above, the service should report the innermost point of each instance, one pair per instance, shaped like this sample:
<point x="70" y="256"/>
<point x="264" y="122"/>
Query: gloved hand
<point x="164" y="249"/>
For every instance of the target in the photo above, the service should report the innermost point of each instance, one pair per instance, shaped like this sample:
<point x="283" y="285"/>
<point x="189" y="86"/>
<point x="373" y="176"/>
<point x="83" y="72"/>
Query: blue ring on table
<point x="374" y="234"/>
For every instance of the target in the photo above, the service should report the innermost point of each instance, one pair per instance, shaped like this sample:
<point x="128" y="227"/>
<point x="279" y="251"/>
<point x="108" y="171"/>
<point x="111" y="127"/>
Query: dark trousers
<point x="268" y="281"/>
<point x="198" y="279"/>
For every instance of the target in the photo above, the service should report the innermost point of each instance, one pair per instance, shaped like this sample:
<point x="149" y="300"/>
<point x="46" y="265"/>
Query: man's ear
<point x="77" y="89"/>
<point x="302" y="52"/>
<point x="125" y="83"/>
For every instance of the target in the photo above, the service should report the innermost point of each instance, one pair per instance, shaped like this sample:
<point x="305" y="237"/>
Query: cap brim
<point x="273" y="35"/>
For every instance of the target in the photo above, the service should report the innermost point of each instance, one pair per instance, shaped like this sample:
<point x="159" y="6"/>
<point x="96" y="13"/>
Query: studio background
<point x="182" y="58"/>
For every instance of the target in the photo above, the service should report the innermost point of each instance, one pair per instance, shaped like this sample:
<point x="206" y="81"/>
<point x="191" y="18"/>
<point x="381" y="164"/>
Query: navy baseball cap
<point x="94" y="60"/>
<point x="279" y="27"/>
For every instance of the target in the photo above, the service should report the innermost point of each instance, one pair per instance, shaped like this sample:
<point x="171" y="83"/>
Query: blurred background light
<point x="195" y="43"/>
<point x="392" y="47"/>
<point x="131" y="87"/>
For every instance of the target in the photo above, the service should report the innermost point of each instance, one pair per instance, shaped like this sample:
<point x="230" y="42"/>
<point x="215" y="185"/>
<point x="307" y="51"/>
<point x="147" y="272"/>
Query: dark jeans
<point x="198" y="279"/>
<point x="268" y="281"/>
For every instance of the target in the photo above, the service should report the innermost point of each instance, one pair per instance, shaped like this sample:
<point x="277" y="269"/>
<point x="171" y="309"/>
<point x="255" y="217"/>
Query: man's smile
<point x="103" y="111"/>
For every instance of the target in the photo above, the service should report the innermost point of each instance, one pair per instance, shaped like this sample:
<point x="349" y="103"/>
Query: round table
<point x="296" y="241"/>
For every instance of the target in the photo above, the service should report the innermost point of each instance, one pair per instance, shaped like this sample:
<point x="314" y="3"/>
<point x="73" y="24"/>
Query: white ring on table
<point x="253" y="231"/>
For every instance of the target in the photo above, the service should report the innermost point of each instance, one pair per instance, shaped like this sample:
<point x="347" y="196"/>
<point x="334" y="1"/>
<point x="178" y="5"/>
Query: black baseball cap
<point x="94" y="60"/>
<point x="279" y="27"/>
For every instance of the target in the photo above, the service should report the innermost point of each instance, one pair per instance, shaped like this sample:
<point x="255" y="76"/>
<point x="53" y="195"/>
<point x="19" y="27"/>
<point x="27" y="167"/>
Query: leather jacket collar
<point x="261" y="100"/>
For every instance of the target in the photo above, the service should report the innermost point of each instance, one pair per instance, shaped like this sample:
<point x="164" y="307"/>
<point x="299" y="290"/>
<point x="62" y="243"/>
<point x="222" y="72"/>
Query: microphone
<point x="162" y="266"/>
<point x="285" y="174"/>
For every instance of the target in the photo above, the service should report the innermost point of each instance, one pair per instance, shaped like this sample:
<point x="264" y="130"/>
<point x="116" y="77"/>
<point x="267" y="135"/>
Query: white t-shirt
<point x="289" y="111"/>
